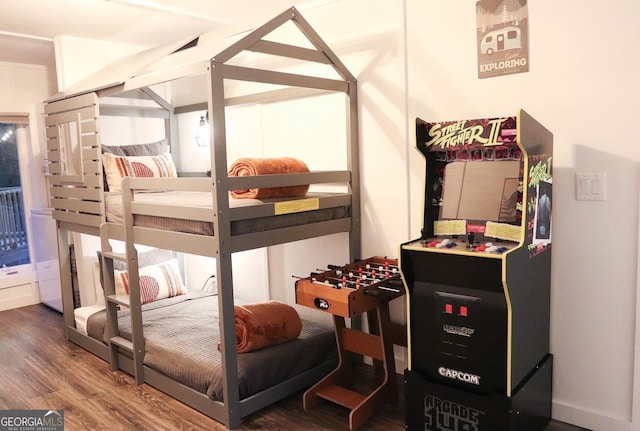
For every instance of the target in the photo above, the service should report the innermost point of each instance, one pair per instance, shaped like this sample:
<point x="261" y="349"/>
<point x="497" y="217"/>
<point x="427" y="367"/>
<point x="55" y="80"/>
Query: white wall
<point x="22" y="89"/>
<point x="368" y="37"/>
<point x="582" y="85"/>
<point x="77" y="58"/>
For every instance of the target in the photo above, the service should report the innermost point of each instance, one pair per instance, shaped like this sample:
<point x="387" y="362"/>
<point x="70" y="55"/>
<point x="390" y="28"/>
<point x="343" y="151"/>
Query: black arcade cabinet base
<point x="432" y="406"/>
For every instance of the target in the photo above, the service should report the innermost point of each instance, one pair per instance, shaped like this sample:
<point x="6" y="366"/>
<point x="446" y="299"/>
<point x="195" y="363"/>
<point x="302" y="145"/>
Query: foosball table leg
<point x="340" y="377"/>
<point x="336" y="387"/>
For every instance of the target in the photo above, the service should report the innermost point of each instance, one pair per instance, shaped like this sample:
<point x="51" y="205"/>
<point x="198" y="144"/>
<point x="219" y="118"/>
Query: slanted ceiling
<point x="272" y="45"/>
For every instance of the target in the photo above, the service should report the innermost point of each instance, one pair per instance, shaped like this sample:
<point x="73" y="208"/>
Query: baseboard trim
<point x="590" y="420"/>
<point x="24" y="292"/>
<point x="10" y="304"/>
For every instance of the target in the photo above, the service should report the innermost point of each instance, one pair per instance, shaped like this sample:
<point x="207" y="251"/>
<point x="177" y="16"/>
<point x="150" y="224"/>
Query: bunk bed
<point x="144" y="86"/>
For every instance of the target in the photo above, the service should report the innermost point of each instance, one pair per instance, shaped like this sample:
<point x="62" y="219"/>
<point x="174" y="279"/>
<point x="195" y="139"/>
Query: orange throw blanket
<point x="265" y="324"/>
<point x="284" y="165"/>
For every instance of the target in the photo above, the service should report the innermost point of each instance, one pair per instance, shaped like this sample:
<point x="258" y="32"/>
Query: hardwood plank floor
<point x="41" y="370"/>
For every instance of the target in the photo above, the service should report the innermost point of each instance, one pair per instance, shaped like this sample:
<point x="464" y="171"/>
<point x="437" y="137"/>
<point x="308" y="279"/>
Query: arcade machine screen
<point x="481" y="191"/>
<point x="476" y="201"/>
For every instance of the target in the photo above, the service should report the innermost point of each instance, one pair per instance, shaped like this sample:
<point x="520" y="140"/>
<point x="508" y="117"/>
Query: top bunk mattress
<point x="191" y="199"/>
<point x="181" y="341"/>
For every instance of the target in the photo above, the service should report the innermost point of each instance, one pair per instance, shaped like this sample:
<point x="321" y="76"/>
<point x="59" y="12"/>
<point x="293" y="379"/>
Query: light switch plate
<point x="591" y="186"/>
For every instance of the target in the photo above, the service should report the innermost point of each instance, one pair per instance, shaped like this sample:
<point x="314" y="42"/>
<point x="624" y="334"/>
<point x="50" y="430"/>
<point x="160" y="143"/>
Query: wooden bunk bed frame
<point x="78" y="198"/>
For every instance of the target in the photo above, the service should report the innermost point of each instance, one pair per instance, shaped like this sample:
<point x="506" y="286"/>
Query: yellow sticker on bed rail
<point x="297" y="206"/>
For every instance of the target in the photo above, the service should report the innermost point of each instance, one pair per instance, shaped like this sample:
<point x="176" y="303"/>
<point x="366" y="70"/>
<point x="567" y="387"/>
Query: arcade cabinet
<point x="478" y="278"/>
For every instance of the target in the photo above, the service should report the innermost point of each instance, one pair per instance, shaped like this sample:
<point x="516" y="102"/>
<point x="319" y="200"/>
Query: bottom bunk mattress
<point x="181" y="341"/>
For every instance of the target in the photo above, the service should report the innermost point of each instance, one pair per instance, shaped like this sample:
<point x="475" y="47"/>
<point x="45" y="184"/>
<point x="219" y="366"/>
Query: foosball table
<point x="362" y="287"/>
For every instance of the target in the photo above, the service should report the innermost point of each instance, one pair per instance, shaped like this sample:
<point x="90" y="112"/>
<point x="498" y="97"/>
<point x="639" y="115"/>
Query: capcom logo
<point x="443" y="415"/>
<point x="459" y="375"/>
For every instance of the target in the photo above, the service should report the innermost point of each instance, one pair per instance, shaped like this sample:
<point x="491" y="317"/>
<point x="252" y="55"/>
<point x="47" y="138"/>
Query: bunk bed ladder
<point x="114" y="302"/>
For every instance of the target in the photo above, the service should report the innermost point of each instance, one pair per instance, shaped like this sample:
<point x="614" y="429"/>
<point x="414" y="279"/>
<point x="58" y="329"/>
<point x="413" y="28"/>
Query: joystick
<point x="471" y="238"/>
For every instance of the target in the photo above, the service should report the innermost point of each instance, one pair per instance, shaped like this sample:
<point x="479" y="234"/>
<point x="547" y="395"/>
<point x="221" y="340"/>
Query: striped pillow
<point x="156" y="282"/>
<point x="118" y="167"/>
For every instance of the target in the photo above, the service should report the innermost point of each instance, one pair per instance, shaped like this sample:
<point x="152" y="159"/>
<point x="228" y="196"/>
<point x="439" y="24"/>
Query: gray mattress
<point x="182" y="334"/>
<point x="190" y="199"/>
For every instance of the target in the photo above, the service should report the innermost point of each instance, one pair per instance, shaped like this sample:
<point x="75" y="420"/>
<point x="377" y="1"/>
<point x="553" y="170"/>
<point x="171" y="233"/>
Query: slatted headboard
<point x="73" y="148"/>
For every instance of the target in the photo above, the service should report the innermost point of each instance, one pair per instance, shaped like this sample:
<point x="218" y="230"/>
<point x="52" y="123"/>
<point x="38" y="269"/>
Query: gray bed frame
<point x="77" y="195"/>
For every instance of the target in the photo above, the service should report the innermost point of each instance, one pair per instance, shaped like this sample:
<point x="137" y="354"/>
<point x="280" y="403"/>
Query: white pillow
<point x="118" y="167"/>
<point x="156" y="281"/>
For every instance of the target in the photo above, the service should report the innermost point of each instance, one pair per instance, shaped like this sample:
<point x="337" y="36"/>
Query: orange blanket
<point x="284" y="165"/>
<point x="265" y="324"/>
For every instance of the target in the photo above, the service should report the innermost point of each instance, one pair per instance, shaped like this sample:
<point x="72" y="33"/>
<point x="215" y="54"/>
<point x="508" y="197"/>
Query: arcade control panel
<point x="351" y="289"/>
<point x="468" y="244"/>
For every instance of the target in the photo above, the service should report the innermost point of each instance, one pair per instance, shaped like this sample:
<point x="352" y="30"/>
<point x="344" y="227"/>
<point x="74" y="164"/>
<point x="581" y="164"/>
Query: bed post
<point x="222" y="231"/>
<point x="66" y="285"/>
<point x="353" y="160"/>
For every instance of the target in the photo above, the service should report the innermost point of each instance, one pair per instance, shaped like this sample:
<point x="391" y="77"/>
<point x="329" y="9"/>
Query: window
<point x="14" y="247"/>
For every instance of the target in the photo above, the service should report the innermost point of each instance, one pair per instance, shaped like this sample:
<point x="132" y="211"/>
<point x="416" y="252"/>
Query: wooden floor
<point x="41" y="370"/>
